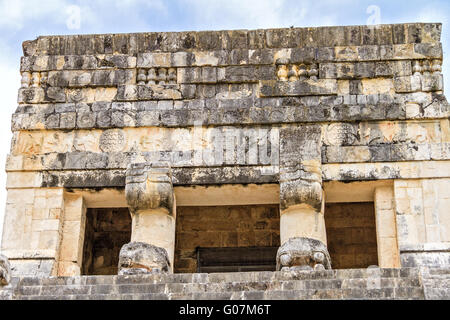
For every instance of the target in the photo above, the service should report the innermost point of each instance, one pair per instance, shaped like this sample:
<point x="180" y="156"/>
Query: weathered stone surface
<point x="371" y="284"/>
<point x="300" y="167"/>
<point x="5" y="271"/>
<point x="226" y="40"/>
<point x="142" y="258"/>
<point x="436" y="283"/>
<point x="104" y="78"/>
<point x="433" y="255"/>
<point x="149" y="186"/>
<point x="239" y="108"/>
<point x="151" y="201"/>
<point x="303" y="254"/>
<point x="295" y="106"/>
<point x="298" y="88"/>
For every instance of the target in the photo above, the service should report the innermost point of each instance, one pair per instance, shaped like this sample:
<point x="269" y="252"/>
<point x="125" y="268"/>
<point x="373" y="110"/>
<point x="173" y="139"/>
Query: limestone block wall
<point x="423" y="221"/>
<point x="99" y="101"/>
<point x="295" y="106"/>
<point x="33" y="226"/>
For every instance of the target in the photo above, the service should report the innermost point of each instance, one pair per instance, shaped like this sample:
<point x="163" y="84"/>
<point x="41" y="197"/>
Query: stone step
<point x="332" y="284"/>
<point x="189" y="288"/>
<point x="437" y="293"/>
<point x="436" y="283"/>
<point x="383" y="293"/>
<point x="436" y="274"/>
<point x="221" y="277"/>
<point x="439" y="271"/>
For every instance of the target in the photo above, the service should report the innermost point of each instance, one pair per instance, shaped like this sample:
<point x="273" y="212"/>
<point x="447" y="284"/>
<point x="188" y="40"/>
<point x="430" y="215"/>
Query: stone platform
<point x="372" y="283"/>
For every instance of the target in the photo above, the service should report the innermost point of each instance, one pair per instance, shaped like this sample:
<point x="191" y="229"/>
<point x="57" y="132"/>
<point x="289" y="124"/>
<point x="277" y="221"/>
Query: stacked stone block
<point x="422" y="219"/>
<point x="354" y="284"/>
<point x="297" y="106"/>
<point x="233" y="80"/>
<point x="32" y="242"/>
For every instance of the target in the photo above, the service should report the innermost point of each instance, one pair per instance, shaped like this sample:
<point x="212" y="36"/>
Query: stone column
<point x="32" y="227"/>
<point x="302" y="223"/>
<point x="150" y="197"/>
<point x="386" y="227"/>
<point x="72" y="237"/>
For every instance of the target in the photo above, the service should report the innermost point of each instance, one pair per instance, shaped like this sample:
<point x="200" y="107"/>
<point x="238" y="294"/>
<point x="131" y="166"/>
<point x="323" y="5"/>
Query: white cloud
<point x="251" y="14"/>
<point x="21" y="14"/>
<point x="16" y="14"/>
<point x="236" y="14"/>
<point x="158" y="5"/>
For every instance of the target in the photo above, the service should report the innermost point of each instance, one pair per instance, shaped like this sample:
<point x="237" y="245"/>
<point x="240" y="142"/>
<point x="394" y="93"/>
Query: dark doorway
<point x="351" y="234"/>
<point x="226" y="238"/>
<point x="107" y="230"/>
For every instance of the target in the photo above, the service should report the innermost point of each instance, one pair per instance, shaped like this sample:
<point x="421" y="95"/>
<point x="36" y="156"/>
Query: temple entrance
<point x="107" y="230"/>
<point x="351" y="234"/>
<point x="227" y="238"/>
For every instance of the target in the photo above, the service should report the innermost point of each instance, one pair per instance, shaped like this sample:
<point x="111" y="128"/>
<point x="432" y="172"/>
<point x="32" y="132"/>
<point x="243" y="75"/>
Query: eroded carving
<point x="112" y="140"/>
<point x="301" y="167"/>
<point x="303" y="254"/>
<point x="338" y="134"/>
<point x="75" y="95"/>
<point x="149" y="186"/>
<point x="427" y="67"/>
<point x="34" y="79"/>
<point x="142" y="258"/>
<point x="160" y="76"/>
<point x="301" y="184"/>
<point x="293" y="72"/>
<point x="5" y="271"/>
<point x="25" y="80"/>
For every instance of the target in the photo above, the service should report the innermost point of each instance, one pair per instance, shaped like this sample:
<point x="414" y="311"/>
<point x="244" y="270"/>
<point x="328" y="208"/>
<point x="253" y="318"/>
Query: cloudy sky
<point x="26" y="19"/>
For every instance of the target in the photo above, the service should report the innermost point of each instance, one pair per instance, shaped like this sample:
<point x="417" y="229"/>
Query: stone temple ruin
<point x="279" y="164"/>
